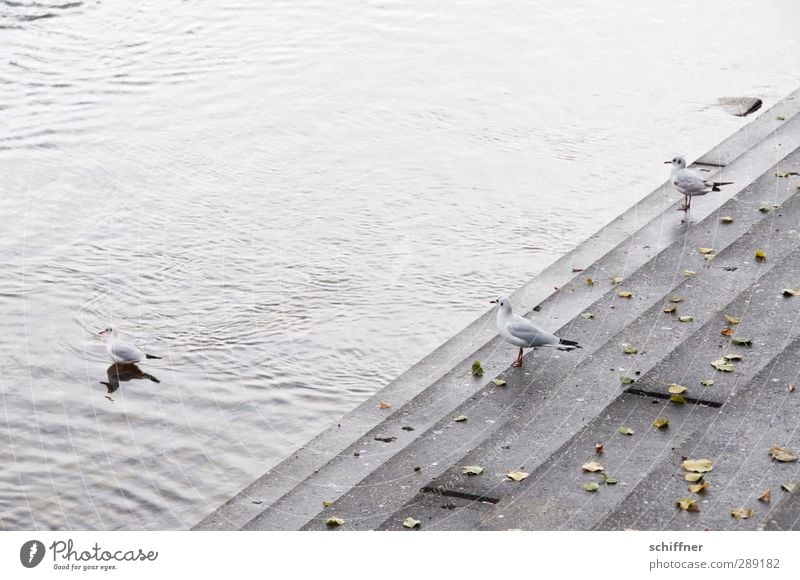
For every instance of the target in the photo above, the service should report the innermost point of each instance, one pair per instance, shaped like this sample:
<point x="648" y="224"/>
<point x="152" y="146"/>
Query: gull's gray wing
<point x="126" y="352"/>
<point x="533" y="335"/>
<point x="689" y="182"/>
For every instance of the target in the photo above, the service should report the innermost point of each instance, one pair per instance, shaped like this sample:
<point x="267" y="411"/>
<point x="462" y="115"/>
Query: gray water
<point x="292" y="202"/>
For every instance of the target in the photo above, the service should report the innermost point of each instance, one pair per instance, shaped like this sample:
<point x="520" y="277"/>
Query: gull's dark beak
<point x="668" y="163"/>
<point x="101" y="333"/>
<point x="492" y="301"/>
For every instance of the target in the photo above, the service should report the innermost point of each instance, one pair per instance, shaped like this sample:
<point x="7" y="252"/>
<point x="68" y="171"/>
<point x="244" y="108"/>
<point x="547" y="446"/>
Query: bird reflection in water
<point x="120" y="373"/>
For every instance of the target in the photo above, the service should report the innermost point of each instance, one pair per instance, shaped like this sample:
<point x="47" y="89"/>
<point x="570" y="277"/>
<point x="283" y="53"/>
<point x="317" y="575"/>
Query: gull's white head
<point x="503" y="303"/>
<point x="108" y="331"/>
<point x="678" y="162"/>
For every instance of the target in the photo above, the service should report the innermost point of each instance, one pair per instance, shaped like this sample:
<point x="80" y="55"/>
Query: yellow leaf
<point x="676" y="389"/>
<point x="688" y="504"/>
<point x="699" y="487"/>
<point x="698" y="465"/>
<point x="661" y="423"/>
<point x="782" y="455"/>
<point x="592" y="467"/>
<point x="705" y="251"/>
<point x="760" y="255"/>
<point x="517" y="475"/>
<point x="742" y="513"/>
<point x="624" y="294"/>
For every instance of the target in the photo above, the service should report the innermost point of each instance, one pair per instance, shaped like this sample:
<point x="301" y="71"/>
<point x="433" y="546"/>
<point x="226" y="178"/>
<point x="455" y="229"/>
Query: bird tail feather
<point x="716" y="185"/>
<point x="152" y="356"/>
<point x="565" y="344"/>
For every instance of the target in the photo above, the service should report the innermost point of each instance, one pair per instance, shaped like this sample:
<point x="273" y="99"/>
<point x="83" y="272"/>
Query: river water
<point x="292" y="202"/>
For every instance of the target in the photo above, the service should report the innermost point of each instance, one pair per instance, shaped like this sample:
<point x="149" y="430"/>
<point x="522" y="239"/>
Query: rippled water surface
<point x="292" y="202"/>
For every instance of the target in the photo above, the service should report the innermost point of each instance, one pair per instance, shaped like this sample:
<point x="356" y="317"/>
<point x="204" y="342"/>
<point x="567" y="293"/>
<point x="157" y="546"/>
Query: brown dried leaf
<point x="782" y="455"/>
<point x="727" y="331"/>
<point x="699" y="487"/>
<point x="384" y="405"/>
<point x="742" y="513"/>
<point x="766" y="495"/>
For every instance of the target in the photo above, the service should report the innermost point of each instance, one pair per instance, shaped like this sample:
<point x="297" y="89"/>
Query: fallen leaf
<point x="722" y="365"/>
<point x="499" y="382"/>
<point x="791" y="291"/>
<point x="517" y="475"/>
<point x="477" y="369"/>
<point x="326" y="503"/>
<point x="587" y="315"/>
<point x="617" y="280"/>
<point x="742" y="341"/>
<point x="780" y="118"/>
<point x="608" y="479"/>
<point x="472" y="470"/>
<point x="707" y="382"/>
<point x="760" y="255"/>
<point x="790" y="487"/>
<point x="677" y="399"/>
<point x="727" y="331"/>
<point x="675" y="298"/>
<point x="741" y="513"/>
<point x="626" y="380"/>
<point x="630" y="350"/>
<point x="661" y="423"/>
<point x="782" y="455"/>
<point x="698" y="465"/>
<point x="689" y="273"/>
<point x="669" y="309"/>
<point x="334" y="522"/>
<point x="677" y="389"/>
<point x="790" y="387"/>
<point x="460" y="419"/>
<point x="705" y="251"/>
<point x="589" y="282"/>
<point x="726" y="219"/>
<point x="410" y="522"/>
<point x="591" y="486"/>
<point x="383" y="405"/>
<point x="732" y="356"/>
<point x="687" y="318"/>
<point x="598" y="448"/>
<point x="625" y="430"/>
<point x="731" y="320"/>
<point x="765" y="208"/>
<point x="699" y="487"/>
<point x="782" y="173"/>
<point x="693" y="477"/>
<point x="766" y="495"/>
<point x="624" y="294"/>
<point x="688" y="504"/>
<point x="592" y="467"/>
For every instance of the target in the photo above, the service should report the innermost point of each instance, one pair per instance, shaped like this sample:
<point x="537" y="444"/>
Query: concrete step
<point x="561" y="394"/>
<point x="540" y="425"/>
<point x="438" y="384"/>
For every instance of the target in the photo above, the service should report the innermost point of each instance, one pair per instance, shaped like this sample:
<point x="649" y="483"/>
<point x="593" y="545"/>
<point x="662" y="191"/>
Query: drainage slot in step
<point x="459" y="494"/>
<point x="666" y="396"/>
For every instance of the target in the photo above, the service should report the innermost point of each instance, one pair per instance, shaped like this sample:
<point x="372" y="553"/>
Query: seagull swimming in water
<point x="689" y="182"/>
<point x="121" y="352"/>
<point x="523" y="333"/>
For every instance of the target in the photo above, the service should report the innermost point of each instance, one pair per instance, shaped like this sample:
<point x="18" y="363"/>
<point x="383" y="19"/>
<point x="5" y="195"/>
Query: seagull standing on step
<point x="523" y="333"/>
<point x="689" y="182"/>
<point x="121" y="352"/>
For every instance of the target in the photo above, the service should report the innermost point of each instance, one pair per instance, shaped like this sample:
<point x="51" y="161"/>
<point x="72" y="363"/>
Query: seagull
<point x="523" y="333"/>
<point x="122" y="352"/>
<point x="689" y="182"/>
